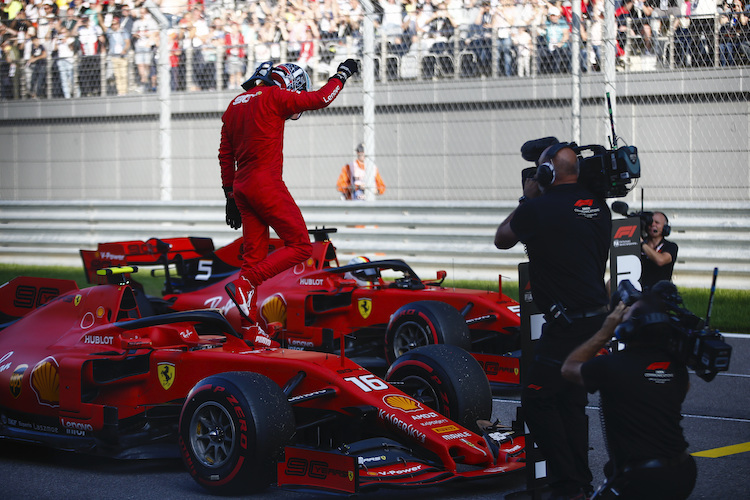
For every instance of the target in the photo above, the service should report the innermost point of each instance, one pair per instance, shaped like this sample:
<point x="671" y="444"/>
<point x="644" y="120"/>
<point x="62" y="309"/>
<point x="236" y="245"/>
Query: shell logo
<point x="45" y="380"/>
<point x="403" y="403"/>
<point x="274" y="309"/>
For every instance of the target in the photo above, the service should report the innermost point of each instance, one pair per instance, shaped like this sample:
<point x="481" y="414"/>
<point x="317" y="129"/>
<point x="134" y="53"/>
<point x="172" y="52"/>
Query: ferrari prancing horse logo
<point x="166" y="374"/>
<point x="365" y="307"/>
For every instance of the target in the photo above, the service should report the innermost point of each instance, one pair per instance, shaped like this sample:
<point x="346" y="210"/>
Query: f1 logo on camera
<point x="625" y="232"/>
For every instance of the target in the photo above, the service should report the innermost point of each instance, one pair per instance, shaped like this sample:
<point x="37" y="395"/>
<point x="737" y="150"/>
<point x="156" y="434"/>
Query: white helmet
<point x="365" y="276"/>
<point x="286" y="76"/>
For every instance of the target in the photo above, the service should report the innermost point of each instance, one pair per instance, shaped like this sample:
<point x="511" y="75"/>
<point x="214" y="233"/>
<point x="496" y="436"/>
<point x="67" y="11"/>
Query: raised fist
<point x="346" y="69"/>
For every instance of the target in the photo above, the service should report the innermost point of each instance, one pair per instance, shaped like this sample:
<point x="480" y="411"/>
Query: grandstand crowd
<point x="64" y="49"/>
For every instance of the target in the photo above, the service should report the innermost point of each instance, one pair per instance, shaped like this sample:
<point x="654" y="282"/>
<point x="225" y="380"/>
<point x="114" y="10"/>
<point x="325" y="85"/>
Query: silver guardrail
<point x="453" y="236"/>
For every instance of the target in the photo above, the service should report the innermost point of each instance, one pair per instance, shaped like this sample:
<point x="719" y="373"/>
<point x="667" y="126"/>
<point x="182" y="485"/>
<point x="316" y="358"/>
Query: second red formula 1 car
<point x="374" y="310"/>
<point x="87" y="370"/>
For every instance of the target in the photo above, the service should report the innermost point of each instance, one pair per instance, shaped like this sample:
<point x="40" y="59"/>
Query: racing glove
<point x="346" y="69"/>
<point x="234" y="219"/>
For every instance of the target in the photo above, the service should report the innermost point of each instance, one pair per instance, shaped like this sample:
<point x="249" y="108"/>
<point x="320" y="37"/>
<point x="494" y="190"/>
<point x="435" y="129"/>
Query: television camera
<point x="607" y="173"/>
<point x="646" y="218"/>
<point x="687" y="336"/>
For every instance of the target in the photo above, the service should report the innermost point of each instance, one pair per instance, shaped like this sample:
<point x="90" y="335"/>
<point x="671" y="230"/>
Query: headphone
<point x="667" y="228"/>
<point x="545" y="173"/>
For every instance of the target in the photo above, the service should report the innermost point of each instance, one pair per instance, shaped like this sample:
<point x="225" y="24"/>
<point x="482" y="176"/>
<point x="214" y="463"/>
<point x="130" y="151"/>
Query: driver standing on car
<point x="642" y="389"/>
<point x="251" y="160"/>
<point x="566" y="230"/>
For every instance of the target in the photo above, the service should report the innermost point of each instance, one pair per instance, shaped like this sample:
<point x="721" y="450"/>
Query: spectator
<point x="37" y="63"/>
<point x="732" y="33"/>
<point x="234" y="64"/>
<point x="145" y="33"/>
<point x="352" y="182"/>
<point x="624" y="17"/>
<point x="393" y="17"/>
<point x="11" y="69"/>
<point x="480" y="40"/>
<point x="91" y="39"/>
<point x="524" y="46"/>
<point x="596" y="34"/>
<point x="658" y="254"/>
<point x="683" y="41"/>
<point x="64" y="44"/>
<point x="177" y="60"/>
<point x="743" y="36"/>
<point x="118" y="46"/>
<point x="502" y="22"/>
<point x="702" y="14"/>
<point x="126" y="19"/>
<point x="555" y="54"/>
<point x="648" y="25"/>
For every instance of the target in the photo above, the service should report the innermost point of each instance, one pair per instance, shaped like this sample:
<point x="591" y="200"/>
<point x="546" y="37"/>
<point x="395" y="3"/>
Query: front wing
<point x="310" y="469"/>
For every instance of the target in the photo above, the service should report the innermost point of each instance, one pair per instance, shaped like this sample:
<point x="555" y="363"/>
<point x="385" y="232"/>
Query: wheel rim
<point x="212" y="434"/>
<point x="408" y="336"/>
<point x="419" y="389"/>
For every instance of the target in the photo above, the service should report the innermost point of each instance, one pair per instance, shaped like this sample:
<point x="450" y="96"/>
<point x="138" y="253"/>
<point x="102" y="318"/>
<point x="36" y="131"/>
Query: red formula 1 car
<point x="381" y="309"/>
<point x="85" y="370"/>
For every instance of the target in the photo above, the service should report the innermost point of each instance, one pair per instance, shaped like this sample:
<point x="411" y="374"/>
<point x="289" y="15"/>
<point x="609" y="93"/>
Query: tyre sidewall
<point x="462" y="387"/>
<point x="258" y="443"/>
<point x="443" y="323"/>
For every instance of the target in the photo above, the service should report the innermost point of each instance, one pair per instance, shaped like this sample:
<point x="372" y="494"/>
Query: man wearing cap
<point x="352" y="180"/>
<point x="566" y="231"/>
<point x="557" y="50"/>
<point x="91" y="38"/>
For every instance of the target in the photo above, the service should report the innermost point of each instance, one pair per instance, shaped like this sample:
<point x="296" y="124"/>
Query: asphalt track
<point x="716" y="422"/>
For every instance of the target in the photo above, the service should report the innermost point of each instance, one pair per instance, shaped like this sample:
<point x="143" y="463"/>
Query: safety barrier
<point x="454" y="236"/>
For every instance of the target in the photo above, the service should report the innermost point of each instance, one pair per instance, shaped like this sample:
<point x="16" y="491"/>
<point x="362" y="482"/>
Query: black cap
<point x="360" y="148"/>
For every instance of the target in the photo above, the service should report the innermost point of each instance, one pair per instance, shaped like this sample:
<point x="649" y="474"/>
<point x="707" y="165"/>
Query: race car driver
<point x="251" y="161"/>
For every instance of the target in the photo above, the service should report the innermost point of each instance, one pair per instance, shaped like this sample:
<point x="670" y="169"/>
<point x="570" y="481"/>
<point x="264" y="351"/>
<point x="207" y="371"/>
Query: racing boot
<point x="252" y="332"/>
<point x="242" y="293"/>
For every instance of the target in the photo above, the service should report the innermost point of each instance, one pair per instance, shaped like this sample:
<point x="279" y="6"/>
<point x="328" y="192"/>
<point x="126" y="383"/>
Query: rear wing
<point x="152" y="252"/>
<point x="21" y="295"/>
<point x="185" y="263"/>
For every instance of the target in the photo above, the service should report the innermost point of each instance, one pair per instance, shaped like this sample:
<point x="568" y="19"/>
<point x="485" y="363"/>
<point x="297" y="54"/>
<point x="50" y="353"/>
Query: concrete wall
<point x="440" y="140"/>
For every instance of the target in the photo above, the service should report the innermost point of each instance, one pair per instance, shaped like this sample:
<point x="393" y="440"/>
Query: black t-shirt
<point x="567" y="234"/>
<point x="642" y="389"/>
<point x="652" y="272"/>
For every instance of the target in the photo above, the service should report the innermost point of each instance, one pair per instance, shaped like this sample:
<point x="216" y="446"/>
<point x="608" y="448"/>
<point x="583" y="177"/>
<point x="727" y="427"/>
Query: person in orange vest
<point x="351" y="181"/>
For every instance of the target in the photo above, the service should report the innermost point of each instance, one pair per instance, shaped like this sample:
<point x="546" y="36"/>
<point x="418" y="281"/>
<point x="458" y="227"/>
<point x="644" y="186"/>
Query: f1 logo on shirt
<point x="585" y="208"/>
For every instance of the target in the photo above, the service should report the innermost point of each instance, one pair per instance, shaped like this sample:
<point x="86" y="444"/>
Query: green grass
<point x="730" y="313"/>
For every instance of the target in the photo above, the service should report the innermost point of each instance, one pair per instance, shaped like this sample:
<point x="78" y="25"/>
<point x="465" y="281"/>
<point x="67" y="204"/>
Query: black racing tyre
<point x="425" y="322"/>
<point x="448" y="380"/>
<point x="233" y="428"/>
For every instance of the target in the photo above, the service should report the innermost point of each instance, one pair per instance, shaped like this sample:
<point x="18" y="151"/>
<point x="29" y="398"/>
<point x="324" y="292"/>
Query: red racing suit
<point x="251" y="158"/>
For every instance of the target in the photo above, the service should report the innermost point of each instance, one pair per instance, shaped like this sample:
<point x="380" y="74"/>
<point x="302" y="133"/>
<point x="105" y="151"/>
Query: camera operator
<point x="566" y="230"/>
<point x="658" y="255"/>
<point x="642" y="389"/>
